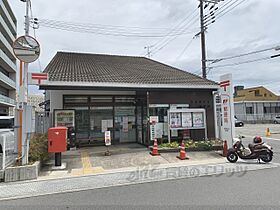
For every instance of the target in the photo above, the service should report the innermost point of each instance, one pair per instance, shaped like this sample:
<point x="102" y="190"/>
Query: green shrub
<point x="169" y="145"/>
<point x="205" y="145"/>
<point x="38" y="149"/>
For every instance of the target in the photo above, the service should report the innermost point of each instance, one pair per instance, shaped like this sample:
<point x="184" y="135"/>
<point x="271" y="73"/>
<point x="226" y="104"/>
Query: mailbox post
<point x="57" y="142"/>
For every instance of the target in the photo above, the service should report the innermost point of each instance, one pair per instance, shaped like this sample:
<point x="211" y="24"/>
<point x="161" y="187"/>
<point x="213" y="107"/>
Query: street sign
<point x="37" y="78"/>
<point x="26" y="49"/>
<point x="107" y="138"/>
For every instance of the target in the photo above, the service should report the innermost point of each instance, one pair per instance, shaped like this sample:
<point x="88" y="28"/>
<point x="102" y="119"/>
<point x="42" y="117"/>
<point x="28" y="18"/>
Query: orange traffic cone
<point x="182" y="155"/>
<point x="225" y="149"/>
<point x="267" y="133"/>
<point x="155" y="149"/>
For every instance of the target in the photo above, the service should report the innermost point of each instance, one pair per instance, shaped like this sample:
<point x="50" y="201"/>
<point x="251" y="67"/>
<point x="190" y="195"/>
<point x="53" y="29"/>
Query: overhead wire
<point x="242" y="55"/>
<point x="221" y="12"/>
<point x="240" y="63"/>
<point x="103" y="26"/>
<point x="166" y="42"/>
<point x="185" y="49"/>
<point x="178" y="25"/>
<point x="232" y="8"/>
<point x="82" y="28"/>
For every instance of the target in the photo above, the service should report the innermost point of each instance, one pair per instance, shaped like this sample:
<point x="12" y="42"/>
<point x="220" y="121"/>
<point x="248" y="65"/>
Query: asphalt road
<point x="253" y="190"/>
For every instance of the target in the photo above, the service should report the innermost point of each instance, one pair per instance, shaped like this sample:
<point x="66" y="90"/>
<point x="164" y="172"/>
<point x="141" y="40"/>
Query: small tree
<point x="38" y="150"/>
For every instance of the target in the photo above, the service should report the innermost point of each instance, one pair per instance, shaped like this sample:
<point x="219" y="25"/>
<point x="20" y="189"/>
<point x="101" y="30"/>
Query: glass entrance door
<point x="101" y="120"/>
<point x="125" y="124"/>
<point x="82" y="122"/>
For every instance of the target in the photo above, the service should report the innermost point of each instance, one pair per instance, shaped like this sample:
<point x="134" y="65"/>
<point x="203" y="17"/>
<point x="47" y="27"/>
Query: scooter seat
<point x="253" y="147"/>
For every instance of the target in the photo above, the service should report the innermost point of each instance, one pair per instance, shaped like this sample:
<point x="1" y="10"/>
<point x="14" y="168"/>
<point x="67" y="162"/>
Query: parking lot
<point x="259" y="130"/>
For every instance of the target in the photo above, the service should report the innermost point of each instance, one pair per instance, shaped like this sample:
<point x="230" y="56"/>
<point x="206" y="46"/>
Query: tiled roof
<point x="97" y="68"/>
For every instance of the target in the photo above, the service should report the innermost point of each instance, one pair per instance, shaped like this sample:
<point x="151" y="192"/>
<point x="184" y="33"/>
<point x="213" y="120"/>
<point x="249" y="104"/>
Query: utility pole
<point x="202" y="36"/>
<point x="23" y="145"/>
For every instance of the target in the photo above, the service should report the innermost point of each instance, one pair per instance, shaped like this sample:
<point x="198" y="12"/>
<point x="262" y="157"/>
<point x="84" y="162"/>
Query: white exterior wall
<point x="239" y="111"/>
<point x="258" y="115"/>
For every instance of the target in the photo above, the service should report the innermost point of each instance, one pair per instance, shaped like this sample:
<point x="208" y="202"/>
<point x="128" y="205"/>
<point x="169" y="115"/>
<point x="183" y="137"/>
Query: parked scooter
<point x="258" y="150"/>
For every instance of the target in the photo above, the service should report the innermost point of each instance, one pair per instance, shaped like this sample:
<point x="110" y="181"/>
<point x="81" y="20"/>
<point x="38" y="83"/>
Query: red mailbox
<point x="57" y="139"/>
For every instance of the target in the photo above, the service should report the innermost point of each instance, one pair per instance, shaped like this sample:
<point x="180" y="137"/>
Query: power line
<point x="87" y="30"/>
<point x="218" y="17"/>
<point x="84" y="28"/>
<point x="242" y="55"/>
<point x="222" y="12"/>
<point x="240" y="63"/>
<point x="185" y="49"/>
<point x="177" y="26"/>
<point x="168" y="41"/>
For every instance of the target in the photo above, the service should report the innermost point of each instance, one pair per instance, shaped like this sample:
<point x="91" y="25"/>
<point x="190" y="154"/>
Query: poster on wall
<point x="187" y="120"/>
<point x="125" y="124"/>
<point x="159" y="130"/>
<point x="105" y="124"/>
<point x="64" y="118"/>
<point x="175" y="120"/>
<point x="198" y="120"/>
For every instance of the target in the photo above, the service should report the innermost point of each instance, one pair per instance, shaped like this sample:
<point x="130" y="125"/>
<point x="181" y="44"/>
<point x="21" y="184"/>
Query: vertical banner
<point x="227" y="121"/>
<point x="107" y="138"/>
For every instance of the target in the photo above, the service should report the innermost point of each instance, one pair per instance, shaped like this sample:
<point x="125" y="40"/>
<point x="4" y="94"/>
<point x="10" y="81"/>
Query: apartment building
<point x="8" y="33"/>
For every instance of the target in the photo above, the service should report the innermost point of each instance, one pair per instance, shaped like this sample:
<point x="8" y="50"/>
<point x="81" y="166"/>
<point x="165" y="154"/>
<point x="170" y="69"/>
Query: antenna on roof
<point x="149" y="53"/>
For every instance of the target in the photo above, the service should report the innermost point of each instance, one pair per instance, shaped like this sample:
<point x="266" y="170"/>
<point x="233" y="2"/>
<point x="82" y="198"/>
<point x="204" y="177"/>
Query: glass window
<point x="249" y="110"/>
<point x="124" y="99"/>
<point x="76" y="99"/>
<point x="101" y="120"/>
<point x="101" y="99"/>
<point x="161" y="112"/>
<point x="7" y="123"/>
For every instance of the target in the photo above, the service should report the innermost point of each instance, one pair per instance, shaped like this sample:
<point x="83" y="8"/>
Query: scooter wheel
<point x="267" y="158"/>
<point x="232" y="157"/>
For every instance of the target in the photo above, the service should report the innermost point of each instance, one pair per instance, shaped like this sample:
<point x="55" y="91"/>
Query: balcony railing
<point x="12" y="24"/>
<point x="8" y="61"/>
<point x="7" y="81"/>
<point x="7" y="101"/>
<point x="6" y="44"/>
<point x="6" y="28"/>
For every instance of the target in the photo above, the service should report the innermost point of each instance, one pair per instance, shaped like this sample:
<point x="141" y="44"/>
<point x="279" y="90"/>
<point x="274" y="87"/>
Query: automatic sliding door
<point x="82" y="122"/>
<point x="125" y="124"/>
<point x="101" y="120"/>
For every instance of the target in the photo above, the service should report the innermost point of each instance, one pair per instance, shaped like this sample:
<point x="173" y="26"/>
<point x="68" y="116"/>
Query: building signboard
<point x="64" y="118"/>
<point x="185" y="119"/>
<point x="37" y="78"/>
<point x="227" y="122"/>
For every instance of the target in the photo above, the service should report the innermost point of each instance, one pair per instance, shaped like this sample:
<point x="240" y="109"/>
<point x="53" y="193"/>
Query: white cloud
<point x="252" y="26"/>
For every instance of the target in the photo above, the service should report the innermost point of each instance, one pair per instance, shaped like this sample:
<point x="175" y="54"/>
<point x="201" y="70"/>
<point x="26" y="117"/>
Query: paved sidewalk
<point x="137" y="175"/>
<point x="90" y="161"/>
